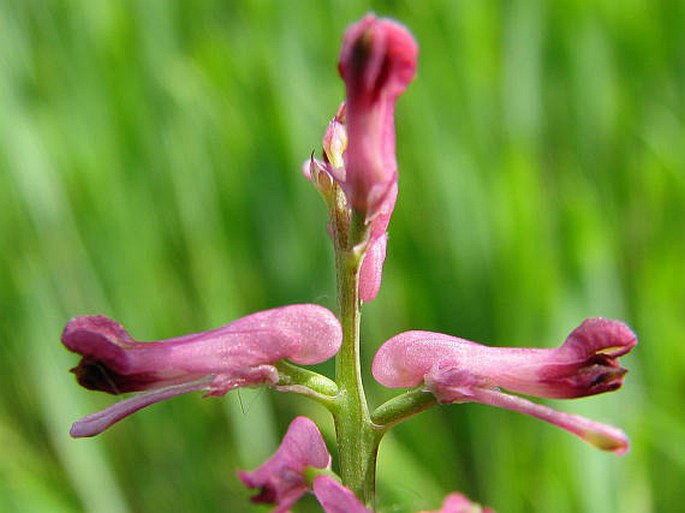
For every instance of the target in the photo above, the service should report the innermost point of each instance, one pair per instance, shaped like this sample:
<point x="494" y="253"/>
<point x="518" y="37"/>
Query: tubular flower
<point x="377" y="62"/>
<point x="281" y="479"/>
<point x="240" y="354"/>
<point x="457" y="370"/>
<point x="458" y="503"/>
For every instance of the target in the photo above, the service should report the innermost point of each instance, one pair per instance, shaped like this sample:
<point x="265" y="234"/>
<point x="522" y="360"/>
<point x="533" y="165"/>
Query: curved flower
<point x="242" y="353"/>
<point x="457" y="370"/>
<point x="377" y="62"/>
<point x="281" y="479"/>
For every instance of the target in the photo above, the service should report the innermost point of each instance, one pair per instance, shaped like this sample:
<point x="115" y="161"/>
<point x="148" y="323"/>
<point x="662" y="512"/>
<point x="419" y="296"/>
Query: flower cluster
<point x="357" y="175"/>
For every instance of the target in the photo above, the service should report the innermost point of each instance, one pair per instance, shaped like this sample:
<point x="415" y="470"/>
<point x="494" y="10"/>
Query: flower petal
<point x="97" y="422"/>
<point x="371" y="271"/>
<point x="602" y="436"/>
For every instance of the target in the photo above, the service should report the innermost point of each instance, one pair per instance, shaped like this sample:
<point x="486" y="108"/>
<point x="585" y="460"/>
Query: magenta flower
<point x="377" y="63"/>
<point x="371" y="271"/>
<point x="240" y="354"/>
<point x="281" y="479"/>
<point x="457" y="370"/>
<point x="458" y="503"/>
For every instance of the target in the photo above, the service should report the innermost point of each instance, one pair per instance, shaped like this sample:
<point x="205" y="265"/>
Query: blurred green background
<point x="150" y="158"/>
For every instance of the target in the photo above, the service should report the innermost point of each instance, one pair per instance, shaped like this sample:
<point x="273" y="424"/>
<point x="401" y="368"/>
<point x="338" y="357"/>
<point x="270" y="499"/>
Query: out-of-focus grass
<point x="149" y="170"/>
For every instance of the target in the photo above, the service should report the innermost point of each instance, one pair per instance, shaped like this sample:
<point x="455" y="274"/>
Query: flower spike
<point x="240" y="354"/>
<point x="457" y="370"/>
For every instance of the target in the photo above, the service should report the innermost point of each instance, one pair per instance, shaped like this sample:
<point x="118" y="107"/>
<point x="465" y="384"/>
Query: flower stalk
<point x="402" y="407"/>
<point x="357" y="436"/>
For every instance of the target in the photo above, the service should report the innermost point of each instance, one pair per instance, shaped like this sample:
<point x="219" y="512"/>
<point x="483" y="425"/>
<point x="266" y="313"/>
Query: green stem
<point x="357" y="436"/>
<point x="308" y="383"/>
<point x="401" y="408"/>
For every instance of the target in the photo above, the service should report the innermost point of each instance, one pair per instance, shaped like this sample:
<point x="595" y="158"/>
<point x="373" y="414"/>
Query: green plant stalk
<point x="357" y="436"/>
<point x="401" y="408"/>
<point x="307" y="383"/>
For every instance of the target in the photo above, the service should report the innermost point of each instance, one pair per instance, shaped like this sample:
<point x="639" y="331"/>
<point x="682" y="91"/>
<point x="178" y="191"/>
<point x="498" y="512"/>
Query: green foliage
<point x="150" y="158"/>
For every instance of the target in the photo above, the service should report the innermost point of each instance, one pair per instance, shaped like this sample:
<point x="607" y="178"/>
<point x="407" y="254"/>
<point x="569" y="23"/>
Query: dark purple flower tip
<point x="586" y="363"/>
<point x="104" y="344"/>
<point x="378" y="58"/>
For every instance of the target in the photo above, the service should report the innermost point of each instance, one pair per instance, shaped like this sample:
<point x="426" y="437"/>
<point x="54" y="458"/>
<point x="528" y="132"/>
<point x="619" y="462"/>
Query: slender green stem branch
<point x="321" y="389"/>
<point x="401" y="408"/>
<point x="357" y="436"/>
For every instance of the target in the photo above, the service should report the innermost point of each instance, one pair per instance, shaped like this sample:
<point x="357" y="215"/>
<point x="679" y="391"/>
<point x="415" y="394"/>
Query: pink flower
<point x="242" y="353"/>
<point x="282" y="479"/>
<point x="377" y="62"/>
<point x="335" y="498"/>
<point x="458" y="503"/>
<point x="457" y="370"/>
<point x="300" y="465"/>
<point x="371" y="272"/>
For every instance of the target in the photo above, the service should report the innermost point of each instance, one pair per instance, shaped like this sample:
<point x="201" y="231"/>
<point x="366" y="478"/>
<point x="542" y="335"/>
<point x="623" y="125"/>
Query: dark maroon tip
<point x="99" y="339"/>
